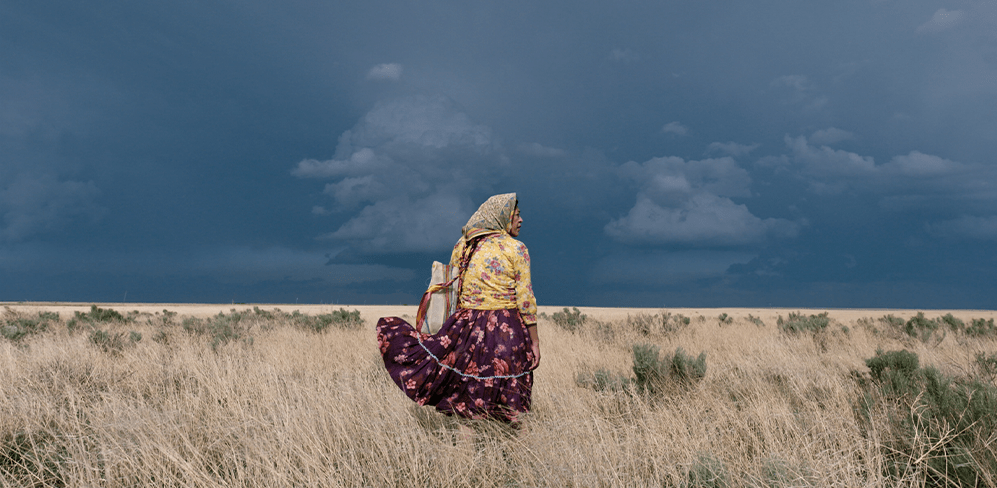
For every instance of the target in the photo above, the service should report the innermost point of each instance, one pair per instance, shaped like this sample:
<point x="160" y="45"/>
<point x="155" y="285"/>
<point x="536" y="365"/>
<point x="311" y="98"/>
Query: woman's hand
<point x="535" y="349"/>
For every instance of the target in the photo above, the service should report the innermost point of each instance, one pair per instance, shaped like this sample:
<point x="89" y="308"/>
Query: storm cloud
<point x="786" y="153"/>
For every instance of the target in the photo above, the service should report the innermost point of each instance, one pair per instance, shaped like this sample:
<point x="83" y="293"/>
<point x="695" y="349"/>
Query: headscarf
<point x="492" y="217"/>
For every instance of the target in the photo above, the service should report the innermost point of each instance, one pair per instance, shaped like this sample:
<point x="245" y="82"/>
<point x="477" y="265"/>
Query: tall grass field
<point x="107" y="397"/>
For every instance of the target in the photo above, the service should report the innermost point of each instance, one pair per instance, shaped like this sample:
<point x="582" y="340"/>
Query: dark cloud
<point x="34" y="204"/>
<point x="693" y="154"/>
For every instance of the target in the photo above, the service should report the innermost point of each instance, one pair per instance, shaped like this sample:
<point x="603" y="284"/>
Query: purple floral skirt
<point x="476" y="366"/>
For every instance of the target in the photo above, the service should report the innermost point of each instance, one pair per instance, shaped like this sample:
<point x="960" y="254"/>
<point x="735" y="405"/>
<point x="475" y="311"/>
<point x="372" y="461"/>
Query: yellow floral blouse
<point x="498" y="277"/>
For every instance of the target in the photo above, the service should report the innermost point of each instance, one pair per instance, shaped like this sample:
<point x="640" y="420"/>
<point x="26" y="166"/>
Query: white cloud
<point x="687" y="202"/>
<point x="675" y="128"/>
<point x="825" y="161"/>
<point x="831" y="135"/>
<point x="33" y="204"/>
<point x="674" y="179"/>
<point x="731" y="148"/>
<point x="942" y="20"/>
<point x="704" y="219"/>
<point x="360" y="162"/>
<point x="410" y="166"/>
<point x="911" y="181"/>
<point x="387" y="71"/>
<point x="919" y="164"/>
<point x="832" y="166"/>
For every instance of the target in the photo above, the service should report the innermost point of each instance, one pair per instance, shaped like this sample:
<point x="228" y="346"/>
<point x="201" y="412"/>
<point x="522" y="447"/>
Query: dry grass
<point x="299" y="408"/>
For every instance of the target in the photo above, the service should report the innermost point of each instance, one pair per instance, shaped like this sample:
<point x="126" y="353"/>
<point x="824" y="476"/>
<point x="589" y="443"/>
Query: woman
<point x="479" y="365"/>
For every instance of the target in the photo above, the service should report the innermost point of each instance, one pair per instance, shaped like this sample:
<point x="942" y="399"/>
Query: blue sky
<point x="772" y="153"/>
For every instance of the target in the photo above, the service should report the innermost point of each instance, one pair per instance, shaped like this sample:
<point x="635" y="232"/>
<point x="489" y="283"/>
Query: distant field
<point x="258" y="395"/>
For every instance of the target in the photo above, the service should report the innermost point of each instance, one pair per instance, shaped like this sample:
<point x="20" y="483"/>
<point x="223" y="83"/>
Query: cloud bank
<point x="689" y="203"/>
<point x="410" y="166"/>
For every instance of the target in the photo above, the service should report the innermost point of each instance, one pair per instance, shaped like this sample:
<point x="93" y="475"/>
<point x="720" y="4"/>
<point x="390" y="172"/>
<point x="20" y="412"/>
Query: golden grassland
<point x="280" y="405"/>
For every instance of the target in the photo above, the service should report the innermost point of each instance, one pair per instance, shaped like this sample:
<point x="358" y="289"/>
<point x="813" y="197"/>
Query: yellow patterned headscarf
<point x="492" y="216"/>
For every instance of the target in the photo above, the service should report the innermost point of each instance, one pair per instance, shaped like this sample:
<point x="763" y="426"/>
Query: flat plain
<point x="258" y="395"/>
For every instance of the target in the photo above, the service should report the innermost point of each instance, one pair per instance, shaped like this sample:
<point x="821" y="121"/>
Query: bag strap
<point x="469" y="250"/>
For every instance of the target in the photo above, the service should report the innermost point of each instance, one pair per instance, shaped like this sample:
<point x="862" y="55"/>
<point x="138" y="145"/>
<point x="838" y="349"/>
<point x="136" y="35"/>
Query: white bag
<point x="442" y="295"/>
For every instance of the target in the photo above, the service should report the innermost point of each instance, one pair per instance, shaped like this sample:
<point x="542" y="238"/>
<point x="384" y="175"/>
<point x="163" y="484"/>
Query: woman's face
<point x="515" y="224"/>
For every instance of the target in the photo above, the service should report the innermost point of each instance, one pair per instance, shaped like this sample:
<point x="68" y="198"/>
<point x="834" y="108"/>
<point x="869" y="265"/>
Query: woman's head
<point x="495" y="215"/>
<point x="516" y="222"/>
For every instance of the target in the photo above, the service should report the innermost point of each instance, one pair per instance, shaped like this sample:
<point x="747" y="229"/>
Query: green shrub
<point x="341" y="319"/>
<point x="651" y="373"/>
<point x="686" y="369"/>
<point x="755" y="320"/>
<point x="920" y="327"/>
<point x="16" y="326"/>
<point x="663" y="322"/>
<point x="193" y="325"/>
<point x="955" y="324"/>
<point x="981" y="327"/>
<point x="235" y="326"/>
<point x="108" y="342"/>
<point x="987" y="366"/>
<point x="798" y="322"/>
<point x="225" y="328"/>
<point x="946" y="422"/>
<point x="96" y="315"/>
<point x="897" y="371"/>
<point x="571" y="320"/>
<point x="221" y="328"/>
<point x="708" y="472"/>
<point x="264" y="314"/>
<point x="344" y="319"/>
<point x="890" y="320"/>
<point x="725" y="319"/>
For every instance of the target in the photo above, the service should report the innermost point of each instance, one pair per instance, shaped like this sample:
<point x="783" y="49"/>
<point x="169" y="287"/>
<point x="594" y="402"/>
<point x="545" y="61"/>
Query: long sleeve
<point x="525" y="299"/>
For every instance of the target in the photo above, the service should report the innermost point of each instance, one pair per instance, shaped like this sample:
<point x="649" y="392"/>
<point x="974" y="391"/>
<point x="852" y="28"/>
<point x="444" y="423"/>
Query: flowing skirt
<point x="476" y="366"/>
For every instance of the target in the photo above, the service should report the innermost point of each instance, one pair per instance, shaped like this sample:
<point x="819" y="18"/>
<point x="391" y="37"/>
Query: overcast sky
<point x="665" y="154"/>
